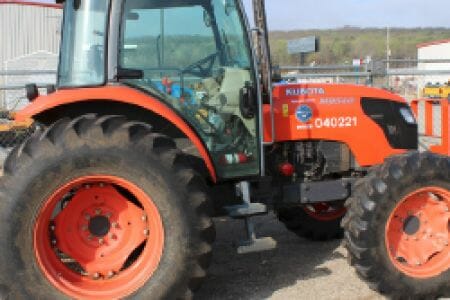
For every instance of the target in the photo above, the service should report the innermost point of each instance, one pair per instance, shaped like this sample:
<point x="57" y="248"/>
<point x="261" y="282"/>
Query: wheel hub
<point x="99" y="226"/>
<point x="411" y="225"/>
<point x="417" y="233"/>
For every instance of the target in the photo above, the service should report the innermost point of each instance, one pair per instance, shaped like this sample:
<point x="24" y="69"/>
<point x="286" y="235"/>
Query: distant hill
<point x="344" y="44"/>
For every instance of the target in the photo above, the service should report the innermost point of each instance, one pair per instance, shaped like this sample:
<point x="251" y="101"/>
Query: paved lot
<point x="297" y="269"/>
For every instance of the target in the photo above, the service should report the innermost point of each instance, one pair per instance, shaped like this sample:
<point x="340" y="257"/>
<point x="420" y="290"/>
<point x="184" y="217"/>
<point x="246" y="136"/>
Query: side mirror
<point x="247" y="101"/>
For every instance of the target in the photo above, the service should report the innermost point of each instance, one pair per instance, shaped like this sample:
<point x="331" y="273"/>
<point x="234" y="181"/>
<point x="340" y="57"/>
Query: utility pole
<point x="388" y="53"/>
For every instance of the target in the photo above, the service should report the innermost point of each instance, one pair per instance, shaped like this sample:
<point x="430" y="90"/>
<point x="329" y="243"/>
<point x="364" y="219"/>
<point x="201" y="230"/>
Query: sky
<point x="324" y="14"/>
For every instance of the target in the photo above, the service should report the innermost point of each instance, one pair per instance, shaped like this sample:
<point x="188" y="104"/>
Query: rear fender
<point x="119" y="94"/>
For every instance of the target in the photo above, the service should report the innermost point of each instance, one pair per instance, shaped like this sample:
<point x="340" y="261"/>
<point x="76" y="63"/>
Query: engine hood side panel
<point x="330" y="112"/>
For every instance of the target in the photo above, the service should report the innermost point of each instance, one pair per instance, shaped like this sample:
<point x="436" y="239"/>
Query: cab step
<point x="254" y="244"/>
<point x="245" y="212"/>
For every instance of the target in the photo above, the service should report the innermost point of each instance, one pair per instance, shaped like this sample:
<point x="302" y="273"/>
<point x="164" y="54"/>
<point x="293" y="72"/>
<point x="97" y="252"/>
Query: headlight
<point x="407" y="115"/>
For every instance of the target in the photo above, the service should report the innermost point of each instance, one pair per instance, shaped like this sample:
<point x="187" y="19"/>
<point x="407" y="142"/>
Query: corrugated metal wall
<point x="25" y="33"/>
<point x="28" y="29"/>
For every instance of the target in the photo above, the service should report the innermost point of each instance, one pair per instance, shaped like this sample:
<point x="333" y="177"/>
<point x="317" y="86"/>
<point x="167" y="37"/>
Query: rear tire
<point x="313" y="224"/>
<point x="113" y="150"/>
<point x="396" y="229"/>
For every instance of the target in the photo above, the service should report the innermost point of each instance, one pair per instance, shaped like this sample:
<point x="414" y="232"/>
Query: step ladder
<point x="245" y="212"/>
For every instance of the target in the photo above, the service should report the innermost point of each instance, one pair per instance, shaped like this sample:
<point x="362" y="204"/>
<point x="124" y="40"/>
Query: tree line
<point x="340" y="46"/>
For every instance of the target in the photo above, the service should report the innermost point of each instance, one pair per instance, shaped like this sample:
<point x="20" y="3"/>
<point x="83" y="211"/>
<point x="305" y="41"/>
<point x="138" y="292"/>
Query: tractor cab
<point x="194" y="56"/>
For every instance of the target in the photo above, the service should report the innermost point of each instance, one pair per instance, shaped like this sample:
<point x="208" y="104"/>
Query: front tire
<point x="102" y="208"/>
<point x="397" y="227"/>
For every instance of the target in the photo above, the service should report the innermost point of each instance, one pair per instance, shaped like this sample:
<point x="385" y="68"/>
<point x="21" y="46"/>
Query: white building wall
<point x="26" y="31"/>
<point x="436" y="51"/>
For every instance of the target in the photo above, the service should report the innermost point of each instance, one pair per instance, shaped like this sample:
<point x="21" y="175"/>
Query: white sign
<point x="304" y="45"/>
<point x="357" y="62"/>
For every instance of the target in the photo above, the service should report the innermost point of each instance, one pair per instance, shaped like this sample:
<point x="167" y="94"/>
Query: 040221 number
<point x="336" y="122"/>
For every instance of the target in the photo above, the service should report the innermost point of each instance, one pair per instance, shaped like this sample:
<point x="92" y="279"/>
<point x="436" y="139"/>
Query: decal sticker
<point x="285" y="110"/>
<point x="337" y="101"/>
<point x="308" y="100"/>
<point x="304" y="91"/>
<point x="304" y="113"/>
<point x="333" y="122"/>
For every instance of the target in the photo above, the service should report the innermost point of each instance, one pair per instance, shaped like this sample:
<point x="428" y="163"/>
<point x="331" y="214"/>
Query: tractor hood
<point x="358" y="116"/>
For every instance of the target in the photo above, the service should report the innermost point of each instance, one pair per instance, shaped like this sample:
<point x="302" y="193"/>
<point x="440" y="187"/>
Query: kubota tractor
<point x="163" y="107"/>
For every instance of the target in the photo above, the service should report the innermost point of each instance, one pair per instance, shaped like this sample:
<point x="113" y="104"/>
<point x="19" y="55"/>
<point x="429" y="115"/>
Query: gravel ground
<point x="297" y="269"/>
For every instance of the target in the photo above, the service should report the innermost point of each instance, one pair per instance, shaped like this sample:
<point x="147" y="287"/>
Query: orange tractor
<point x="165" y="108"/>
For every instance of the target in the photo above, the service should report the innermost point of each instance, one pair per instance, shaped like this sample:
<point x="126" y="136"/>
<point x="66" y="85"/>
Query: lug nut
<point x="110" y="274"/>
<point x="115" y="225"/>
<point x="100" y="241"/>
<point x="146" y="232"/>
<point x="144" y="218"/>
<point x="53" y="242"/>
<point x="98" y="211"/>
<point x="96" y="276"/>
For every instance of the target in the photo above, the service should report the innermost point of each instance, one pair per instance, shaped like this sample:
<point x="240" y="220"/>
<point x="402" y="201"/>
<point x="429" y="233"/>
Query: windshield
<point x="195" y="56"/>
<point x="82" y="57"/>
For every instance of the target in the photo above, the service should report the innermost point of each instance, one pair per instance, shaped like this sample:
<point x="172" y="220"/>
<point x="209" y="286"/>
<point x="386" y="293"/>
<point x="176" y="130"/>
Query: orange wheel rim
<point x="417" y="233"/>
<point x="98" y="237"/>
<point x="324" y="212"/>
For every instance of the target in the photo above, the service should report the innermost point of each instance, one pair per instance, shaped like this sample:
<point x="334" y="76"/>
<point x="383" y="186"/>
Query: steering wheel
<point x="203" y="67"/>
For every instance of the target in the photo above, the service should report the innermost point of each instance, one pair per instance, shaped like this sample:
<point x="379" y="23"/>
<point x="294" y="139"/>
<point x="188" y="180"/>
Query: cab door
<point x="196" y="57"/>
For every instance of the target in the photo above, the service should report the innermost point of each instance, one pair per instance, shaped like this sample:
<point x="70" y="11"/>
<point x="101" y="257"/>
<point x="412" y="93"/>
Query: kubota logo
<point x="304" y="91"/>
